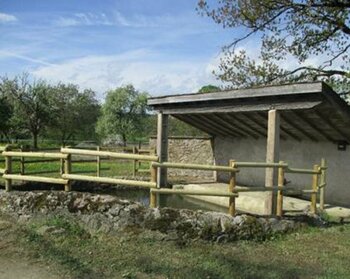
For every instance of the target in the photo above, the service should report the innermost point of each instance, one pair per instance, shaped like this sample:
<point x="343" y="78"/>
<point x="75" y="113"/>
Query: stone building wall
<point x="195" y="150"/>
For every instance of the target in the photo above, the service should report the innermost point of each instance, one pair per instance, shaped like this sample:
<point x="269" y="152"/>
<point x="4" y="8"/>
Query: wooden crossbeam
<point x="227" y="125"/>
<point x="310" y="123"/>
<point x="227" y="118"/>
<point x="332" y="125"/>
<point x="184" y="118"/>
<point x="284" y="130"/>
<point x="249" y="126"/>
<point x="299" y="128"/>
<point x="213" y="127"/>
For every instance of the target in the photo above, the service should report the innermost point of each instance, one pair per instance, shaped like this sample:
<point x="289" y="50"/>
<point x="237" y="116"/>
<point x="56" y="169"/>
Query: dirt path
<point x="15" y="263"/>
<point x="20" y="268"/>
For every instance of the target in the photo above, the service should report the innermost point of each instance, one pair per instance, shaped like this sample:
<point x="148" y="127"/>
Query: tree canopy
<point x="209" y="88"/>
<point x="303" y="30"/>
<point x="122" y="113"/>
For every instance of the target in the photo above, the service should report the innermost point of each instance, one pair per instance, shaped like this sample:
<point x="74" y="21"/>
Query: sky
<point x="160" y="46"/>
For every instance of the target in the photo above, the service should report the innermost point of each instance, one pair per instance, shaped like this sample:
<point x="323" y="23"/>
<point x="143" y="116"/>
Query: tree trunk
<point x="124" y="140"/>
<point x="35" y="140"/>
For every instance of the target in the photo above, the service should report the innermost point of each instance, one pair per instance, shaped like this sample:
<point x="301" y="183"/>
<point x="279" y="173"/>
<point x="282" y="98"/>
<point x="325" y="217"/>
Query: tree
<point x="288" y="29"/>
<point x="209" y="88"/>
<point x="122" y="113"/>
<point x="74" y="113"/>
<point x="30" y="104"/>
<point x="5" y="116"/>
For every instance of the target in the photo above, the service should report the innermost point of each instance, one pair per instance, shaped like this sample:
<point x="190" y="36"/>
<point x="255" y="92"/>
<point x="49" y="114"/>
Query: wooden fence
<point x="317" y="173"/>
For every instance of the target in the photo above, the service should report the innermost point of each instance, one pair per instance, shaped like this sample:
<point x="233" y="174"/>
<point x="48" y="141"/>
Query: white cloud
<point x="145" y="70"/>
<point x="83" y="19"/>
<point x="7" y="18"/>
<point x="4" y="53"/>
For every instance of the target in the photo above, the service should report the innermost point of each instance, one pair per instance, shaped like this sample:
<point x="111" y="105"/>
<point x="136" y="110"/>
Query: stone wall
<point x="189" y="150"/>
<point x="302" y="154"/>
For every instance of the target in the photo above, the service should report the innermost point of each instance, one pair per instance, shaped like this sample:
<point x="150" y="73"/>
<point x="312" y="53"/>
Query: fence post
<point x="22" y="168"/>
<point x="279" y="209"/>
<point x="231" y="188"/>
<point x="62" y="164"/>
<point x="153" y="196"/>
<point x="67" y="170"/>
<point x="8" y="170"/>
<point x="98" y="162"/>
<point x="322" y="183"/>
<point x="134" y="162"/>
<point x="314" y="189"/>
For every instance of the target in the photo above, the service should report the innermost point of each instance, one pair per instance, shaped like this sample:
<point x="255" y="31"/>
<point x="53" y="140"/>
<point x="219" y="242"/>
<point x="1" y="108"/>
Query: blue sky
<point x="160" y="46"/>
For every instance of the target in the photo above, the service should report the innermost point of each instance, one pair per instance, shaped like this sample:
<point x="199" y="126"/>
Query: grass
<point x="311" y="253"/>
<point x="110" y="168"/>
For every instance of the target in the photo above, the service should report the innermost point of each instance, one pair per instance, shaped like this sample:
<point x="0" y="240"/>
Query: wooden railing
<point x="318" y="175"/>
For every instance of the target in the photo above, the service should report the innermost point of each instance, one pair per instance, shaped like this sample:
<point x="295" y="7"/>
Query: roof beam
<point x="224" y="122"/>
<point x="215" y="126"/>
<point x="284" y="130"/>
<point x="183" y="118"/>
<point x="248" y="131"/>
<point x="249" y="126"/>
<point x="332" y="125"/>
<point x="309" y="122"/>
<point x="297" y="127"/>
<point x="208" y="127"/>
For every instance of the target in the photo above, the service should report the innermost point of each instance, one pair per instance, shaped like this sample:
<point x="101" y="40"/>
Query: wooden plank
<point x="264" y="91"/>
<point x="248" y="125"/>
<point x="259" y="165"/>
<point x="214" y="125"/>
<point x="313" y="208"/>
<point x="162" y="147"/>
<point x="108" y="180"/>
<point x="279" y="210"/>
<point x="49" y="180"/>
<point x="253" y="120"/>
<point x="187" y="120"/>
<point x="298" y="128"/>
<point x="193" y="167"/>
<point x="34" y="154"/>
<point x="224" y="121"/>
<point x="322" y="183"/>
<point x="284" y="130"/>
<point x="272" y="156"/>
<point x="237" y="107"/>
<point x="332" y="125"/>
<point x="247" y="129"/>
<point x="309" y="122"/>
<point x="231" y="189"/>
<point x="207" y="126"/>
<point x="194" y="192"/>
<point x="301" y="171"/>
<point x="109" y="154"/>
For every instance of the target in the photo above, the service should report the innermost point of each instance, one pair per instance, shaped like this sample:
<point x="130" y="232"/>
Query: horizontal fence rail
<point x="65" y="158"/>
<point x="109" y="154"/>
<point x="194" y="167"/>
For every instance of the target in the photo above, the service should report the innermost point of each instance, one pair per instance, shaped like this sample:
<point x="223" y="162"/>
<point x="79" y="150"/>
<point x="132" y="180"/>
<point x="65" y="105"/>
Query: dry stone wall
<point x="189" y="150"/>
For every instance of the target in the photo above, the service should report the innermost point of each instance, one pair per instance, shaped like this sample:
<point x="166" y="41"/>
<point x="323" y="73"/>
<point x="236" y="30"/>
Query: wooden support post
<point x="153" y="196"/>
<point x="314" y="189"/>
<point x="323" y="183"/>
<point x="62" y="164"/>
<point x="279" y="210"/>
<point x="68" y="170"/>
<point x="8" y="170"/>
<point x="231" y="188"/>
<point x="139" y="148"/>
<point x="22" y="167"/>
<point x="272" y="156"/>
<point x="162" y="147"/>
<point x="98" y="163"/>
<point x="134" y="162"/>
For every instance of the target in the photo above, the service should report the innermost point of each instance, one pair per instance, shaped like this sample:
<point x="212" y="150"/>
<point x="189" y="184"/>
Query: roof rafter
<point x="297" y="127"/>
